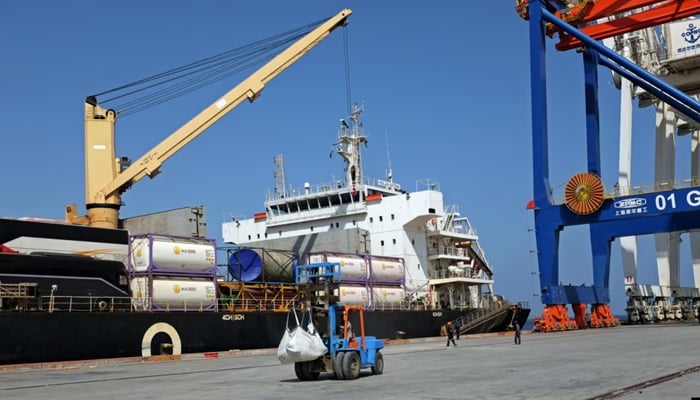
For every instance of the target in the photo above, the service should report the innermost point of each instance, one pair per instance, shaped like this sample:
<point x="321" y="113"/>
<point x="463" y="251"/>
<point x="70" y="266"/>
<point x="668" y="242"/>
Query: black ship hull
<point x="34" y="337"/>
<point x="92" y="317"/>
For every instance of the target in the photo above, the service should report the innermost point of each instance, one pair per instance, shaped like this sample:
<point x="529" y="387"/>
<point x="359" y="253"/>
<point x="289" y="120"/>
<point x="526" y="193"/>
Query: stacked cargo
<point x="387" y="277"/>
<point x="261" y="265"/>
<point x="168" y="273"/>
<point x="375" y="282"/>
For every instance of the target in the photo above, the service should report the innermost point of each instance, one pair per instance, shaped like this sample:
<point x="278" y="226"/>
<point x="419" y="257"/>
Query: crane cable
<point x="190" y="77"/>
<point x="347" y="70"/>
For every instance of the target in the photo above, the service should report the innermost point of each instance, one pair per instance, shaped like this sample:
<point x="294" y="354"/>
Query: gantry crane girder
<point x="617" y="215"/>
<point x="637" y="214"/>
<point x="625" y="16"/>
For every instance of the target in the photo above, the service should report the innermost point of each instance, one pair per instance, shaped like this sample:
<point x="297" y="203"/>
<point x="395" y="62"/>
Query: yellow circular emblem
<point x="176" y="288"/>
<point x="139" y="253"/>
<point x="176" y="250"/>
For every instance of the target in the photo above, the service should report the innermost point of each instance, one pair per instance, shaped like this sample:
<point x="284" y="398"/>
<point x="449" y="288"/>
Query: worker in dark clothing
<point x="458" y="328"/>
<point x="451" y="334"/>
<point x="341" y="328"/>
<point x="517" y="333"/>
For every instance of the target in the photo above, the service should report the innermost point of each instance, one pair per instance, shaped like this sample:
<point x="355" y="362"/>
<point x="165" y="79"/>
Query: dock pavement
<point x="629" y="362"/>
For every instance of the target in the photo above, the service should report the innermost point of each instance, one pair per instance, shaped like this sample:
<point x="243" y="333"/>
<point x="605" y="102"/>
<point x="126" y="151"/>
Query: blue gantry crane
<point x="608" y="216"/>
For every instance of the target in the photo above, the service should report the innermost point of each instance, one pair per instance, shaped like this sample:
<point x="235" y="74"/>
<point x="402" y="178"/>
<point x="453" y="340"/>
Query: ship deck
<point x="627" y="362"/>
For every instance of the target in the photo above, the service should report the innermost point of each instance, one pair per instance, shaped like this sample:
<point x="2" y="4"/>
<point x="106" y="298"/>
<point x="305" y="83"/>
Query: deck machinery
<point x="585" y="200"/>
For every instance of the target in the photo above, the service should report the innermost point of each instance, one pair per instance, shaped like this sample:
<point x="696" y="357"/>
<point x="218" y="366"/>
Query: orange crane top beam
<point x="590" y="11"/>
<point x="668" y="11"/>
<point x="585" y="14"/>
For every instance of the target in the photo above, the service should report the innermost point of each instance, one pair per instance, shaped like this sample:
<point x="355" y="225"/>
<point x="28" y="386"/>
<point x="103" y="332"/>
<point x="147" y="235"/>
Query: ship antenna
<point x="389" y="172"/>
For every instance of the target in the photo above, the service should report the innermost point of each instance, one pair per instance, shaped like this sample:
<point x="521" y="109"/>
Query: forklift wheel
<point x="338" y="365"/>
<point x="300" y="371"/>
<point x="378" y="367"/>
<point x="351" y="365"/>
<point x="311" y="373"/>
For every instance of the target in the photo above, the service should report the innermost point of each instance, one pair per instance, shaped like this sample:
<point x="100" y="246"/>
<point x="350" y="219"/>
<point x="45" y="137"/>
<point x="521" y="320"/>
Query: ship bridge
<point x="330" y="199"/>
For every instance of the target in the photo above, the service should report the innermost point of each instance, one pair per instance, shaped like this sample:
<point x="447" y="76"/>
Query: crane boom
<point x="104" y="178"/>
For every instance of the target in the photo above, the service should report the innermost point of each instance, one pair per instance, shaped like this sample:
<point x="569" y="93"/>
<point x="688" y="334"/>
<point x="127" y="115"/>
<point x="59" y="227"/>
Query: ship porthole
<point x="160" y="327"/>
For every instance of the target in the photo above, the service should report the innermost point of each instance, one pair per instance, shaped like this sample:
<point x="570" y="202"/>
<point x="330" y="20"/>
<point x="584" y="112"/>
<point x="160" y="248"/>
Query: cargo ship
<point x="72" y="292"/>
<point x="99" y="286"/>
<point x="400" y="250"/>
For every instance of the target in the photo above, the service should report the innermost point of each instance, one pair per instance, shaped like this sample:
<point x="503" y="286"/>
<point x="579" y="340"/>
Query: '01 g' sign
<point x="668" y="201"/>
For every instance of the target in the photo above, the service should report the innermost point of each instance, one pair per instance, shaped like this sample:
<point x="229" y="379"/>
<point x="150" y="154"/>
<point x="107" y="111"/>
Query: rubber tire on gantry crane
<point x="351" y="365"/>
<point x="338" y="365"/>
<point x="378" y="367"/>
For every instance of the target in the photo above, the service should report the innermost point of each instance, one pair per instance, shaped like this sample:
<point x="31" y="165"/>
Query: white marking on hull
<point x="160" y="327"/>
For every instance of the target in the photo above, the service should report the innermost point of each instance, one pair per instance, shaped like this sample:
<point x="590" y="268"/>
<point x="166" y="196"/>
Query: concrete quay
<point x="628" y="362"/>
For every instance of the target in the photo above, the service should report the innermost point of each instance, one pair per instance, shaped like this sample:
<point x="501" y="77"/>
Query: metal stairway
<point x="468" y="322"/>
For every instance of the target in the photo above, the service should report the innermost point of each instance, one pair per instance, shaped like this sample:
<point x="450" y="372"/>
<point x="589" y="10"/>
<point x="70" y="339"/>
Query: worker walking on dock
<point x="516" y="339"/>
<point x="451" y="334"/>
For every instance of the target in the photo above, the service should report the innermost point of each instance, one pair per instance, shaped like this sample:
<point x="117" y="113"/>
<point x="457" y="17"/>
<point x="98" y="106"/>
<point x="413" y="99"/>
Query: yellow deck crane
<point x="104" y="179"/>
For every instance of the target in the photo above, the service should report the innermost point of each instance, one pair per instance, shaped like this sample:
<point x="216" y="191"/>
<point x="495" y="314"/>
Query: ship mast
<point x="389" y="171"/>
<point x="350" y="138"/>
<point x="279" y="176"/>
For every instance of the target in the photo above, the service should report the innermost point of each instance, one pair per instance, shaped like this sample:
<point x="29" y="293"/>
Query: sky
<point x="446" y="91"/>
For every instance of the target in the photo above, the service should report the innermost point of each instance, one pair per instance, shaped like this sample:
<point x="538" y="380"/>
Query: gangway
<point x="479" y="318"/>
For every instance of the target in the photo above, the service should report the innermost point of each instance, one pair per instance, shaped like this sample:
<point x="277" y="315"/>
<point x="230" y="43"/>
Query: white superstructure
<point x="444" y="263"/>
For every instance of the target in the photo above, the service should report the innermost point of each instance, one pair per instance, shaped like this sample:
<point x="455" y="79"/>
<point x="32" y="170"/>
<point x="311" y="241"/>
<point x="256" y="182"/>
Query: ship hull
<point x="37" y="337"/>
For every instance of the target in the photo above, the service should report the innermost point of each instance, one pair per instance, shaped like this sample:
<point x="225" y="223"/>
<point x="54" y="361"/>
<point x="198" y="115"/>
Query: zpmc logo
<point x="630" y="203"/>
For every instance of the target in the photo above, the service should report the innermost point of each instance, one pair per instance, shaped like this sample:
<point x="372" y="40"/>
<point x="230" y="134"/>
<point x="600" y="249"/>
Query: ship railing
<point x="330" y="211"/>
<point x="466" y="272"/>
<point x="480" y="315"/>
<point x="84" y="303"/>
<point x="416" y="305"/>
<point x="390" y="306"/>
<point x="450" y="251"/>
<point x="110" y="304"/>
<point x="427" y="184"/>
<point x="247" y="305"/>
<point x="292" y="192"/>
<point x="326" y="187"/>
<point x="619" y="190"/>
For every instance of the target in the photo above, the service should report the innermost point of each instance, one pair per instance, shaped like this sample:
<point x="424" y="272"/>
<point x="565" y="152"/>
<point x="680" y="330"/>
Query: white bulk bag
<point x="298" y="344"/>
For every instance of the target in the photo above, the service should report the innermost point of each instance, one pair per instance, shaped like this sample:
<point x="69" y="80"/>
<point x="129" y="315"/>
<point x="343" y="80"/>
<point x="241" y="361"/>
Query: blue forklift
<point x="347" y="353"/>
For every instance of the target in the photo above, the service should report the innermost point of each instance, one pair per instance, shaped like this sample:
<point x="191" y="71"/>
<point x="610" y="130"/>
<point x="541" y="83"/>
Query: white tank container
<point x="171" y="254"/>
<point x="352" y="267"/>
<point x="383" y="297"/>
<point x="354" y="295"/>
<point x="384" y="269"/>
<point x="172" y="293"/>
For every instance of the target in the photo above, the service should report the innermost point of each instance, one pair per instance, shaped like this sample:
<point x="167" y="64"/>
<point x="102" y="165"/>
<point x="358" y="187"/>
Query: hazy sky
<point x="445" y="84"/>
